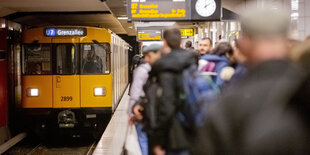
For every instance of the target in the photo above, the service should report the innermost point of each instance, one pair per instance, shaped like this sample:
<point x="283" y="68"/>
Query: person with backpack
<point x="216" y="61"/>
<point x="254" y="116"/>
<point x="151" y="54"/>
<point x="168" y="136"/>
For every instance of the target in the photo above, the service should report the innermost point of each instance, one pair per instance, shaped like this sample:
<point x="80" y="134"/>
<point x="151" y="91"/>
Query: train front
<point x="67" y="79"/>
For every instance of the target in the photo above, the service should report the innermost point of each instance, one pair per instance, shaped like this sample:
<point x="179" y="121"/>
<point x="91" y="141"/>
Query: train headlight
<point x="99" y="91"/>
<point x="32" y="92"/>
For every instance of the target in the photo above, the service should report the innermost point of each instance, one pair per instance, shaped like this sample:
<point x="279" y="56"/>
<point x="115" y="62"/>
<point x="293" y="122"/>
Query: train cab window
<point x="66" y="59"/>
<point x="37" y="59"/>
<point x="95" y="58"/>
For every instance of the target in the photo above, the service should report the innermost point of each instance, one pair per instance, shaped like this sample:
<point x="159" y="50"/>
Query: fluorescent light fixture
<point x="294" y="16"/>
<point x="99" y="91"/>
<point x="33" y="92"/>
<point x="122" y="18"/>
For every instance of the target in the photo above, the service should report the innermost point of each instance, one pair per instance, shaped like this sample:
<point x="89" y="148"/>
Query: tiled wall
<point x="304" y="19"/>
<point x="300" y="26"/>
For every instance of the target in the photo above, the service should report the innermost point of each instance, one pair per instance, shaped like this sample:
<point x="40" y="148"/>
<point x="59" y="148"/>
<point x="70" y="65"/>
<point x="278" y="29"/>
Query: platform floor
<point x="113" y="138"/>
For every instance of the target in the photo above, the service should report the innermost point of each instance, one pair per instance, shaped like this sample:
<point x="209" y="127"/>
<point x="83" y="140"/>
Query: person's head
<point x="136" y="60"/>
<point x="38" y="67"/>
<point x="300" y="54"/>
<point x="236" y="56"/>
<point x="264" y="35"/>
<point x="222" y="49"/>
<point x="172" y="38"/>
<point x="152" y="53"/>
<point x="204" y="46"/>
<point x="91" y="53"/>
<point x="188" y="44"/>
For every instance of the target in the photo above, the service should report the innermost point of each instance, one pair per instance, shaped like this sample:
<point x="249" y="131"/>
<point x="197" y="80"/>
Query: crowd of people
<point x="249" y="96"/>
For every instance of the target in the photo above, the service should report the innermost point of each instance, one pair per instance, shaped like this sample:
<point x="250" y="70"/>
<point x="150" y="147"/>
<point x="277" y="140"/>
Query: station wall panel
<point x="3" y="79"/>
<point x="3" y="93"/>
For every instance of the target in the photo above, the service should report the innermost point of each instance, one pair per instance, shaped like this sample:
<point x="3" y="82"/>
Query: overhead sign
<point x="149" y="34"/>
<point x="172" y="10"/>
<point x="187" y="32"/>
<point x="56" y="32"/>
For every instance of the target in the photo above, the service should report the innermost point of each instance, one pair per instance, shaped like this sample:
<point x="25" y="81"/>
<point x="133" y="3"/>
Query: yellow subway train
<point x="73" y="78"/>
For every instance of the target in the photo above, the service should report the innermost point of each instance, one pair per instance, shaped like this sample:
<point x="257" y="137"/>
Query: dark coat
<point x="253" y="117"/>
<point x="170" y="133"/>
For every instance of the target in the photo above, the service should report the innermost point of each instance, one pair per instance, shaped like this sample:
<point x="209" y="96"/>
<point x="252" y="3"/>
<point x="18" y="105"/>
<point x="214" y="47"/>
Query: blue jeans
<point x="142" y="138"/>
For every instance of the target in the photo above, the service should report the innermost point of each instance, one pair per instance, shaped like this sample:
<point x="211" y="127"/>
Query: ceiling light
<point x="122" y="18"/>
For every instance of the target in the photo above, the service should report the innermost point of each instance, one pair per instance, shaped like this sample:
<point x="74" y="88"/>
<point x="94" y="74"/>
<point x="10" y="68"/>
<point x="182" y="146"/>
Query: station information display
<point x="149" y="34"/>
<point x="173" y="10"/>
<point x="187" y="32"/>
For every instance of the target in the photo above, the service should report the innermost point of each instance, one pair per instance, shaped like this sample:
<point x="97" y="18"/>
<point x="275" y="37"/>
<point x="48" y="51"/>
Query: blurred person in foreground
<point x="151" y="54"/>
<point x="169" y="137"/>
<point x="253" y="117"/>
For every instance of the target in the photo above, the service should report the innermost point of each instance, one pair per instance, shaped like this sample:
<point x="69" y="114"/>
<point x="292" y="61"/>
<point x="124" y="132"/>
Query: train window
<point x="95" y="58"/>
<point x="37" y="59"/>
<point x="66" y="59"/>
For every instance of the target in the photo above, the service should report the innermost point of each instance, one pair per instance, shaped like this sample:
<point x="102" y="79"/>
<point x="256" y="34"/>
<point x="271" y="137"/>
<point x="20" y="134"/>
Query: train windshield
<point x="64" y="60"/>
<point x="95" y="58"/>
<point x="37" y="59"/>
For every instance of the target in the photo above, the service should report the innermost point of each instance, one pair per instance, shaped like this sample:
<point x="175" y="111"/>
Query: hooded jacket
<point x="220" y="63"/>
<point x="169" y="133"/>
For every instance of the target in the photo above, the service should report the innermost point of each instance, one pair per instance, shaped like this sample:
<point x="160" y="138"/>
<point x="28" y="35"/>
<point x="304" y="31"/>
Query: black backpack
<point x="150" y="103"/>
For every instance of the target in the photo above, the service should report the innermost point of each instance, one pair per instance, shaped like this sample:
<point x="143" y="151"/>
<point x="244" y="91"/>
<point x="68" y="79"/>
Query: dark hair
<point x="237" y="44"/>
<point x="137" y="60"/>
<point x="222" y="48"/>
<point x="188" y="44"/>
<point x="173" y="37"/>
<point x="207" y="38"/>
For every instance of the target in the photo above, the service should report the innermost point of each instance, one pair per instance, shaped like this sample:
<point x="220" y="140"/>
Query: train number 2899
<point x="66" y="98"/>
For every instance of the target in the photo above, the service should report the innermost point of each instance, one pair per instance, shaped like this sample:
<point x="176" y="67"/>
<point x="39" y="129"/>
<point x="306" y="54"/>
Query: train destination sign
<point x="54" y="32"/>
<point x="171" y="10"/>
<point x="149" y="34"/>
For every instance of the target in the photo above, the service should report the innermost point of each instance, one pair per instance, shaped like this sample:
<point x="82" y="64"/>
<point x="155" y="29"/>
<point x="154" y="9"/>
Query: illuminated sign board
<point x="187" y="32"/>
<point x="172" y="10"/>
<point x="149" y="34"/>
<point x="57" y="32"/>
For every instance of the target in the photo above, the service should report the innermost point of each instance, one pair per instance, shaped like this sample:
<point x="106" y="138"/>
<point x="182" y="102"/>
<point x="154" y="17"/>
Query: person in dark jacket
<point x="170" y="137"/>
<point x="218" y="56"/>
<point x="253" y="117"/>
<point x="237" y="61"/>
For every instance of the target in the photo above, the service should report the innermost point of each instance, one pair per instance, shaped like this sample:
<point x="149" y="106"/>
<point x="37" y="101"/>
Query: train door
<point x="66" y="80"/>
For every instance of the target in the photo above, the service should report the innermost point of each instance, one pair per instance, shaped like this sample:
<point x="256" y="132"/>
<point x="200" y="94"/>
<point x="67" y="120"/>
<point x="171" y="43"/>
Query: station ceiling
<point x="78" y="12"/>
